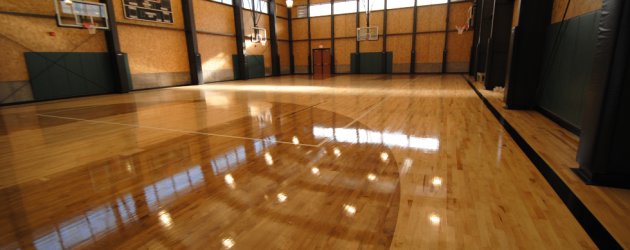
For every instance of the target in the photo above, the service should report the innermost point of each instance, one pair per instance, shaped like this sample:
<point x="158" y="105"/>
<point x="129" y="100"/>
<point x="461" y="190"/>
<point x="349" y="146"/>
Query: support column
<point x="308" y="18"/>
<point x="384" y="59"/>
<point x="476" y="28"/>
<point x="240" y="40"/>
<point x="194" y="58"/>
<point x="122" y="77"/>
<point x="412" y="69"/>
<point x="526" y="54"/>
<point x="275" y="58"/>
<point x="485" y="26"/>
<point x="499" y="43"/>
<point x="332" y="36"/>
<point x="357" y="58"/>
<point x="445" y="52"/>
<point x="291" y="58"/>
<point x="605" y="138"/>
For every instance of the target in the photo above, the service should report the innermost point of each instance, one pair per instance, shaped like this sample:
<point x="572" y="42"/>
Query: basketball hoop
<point x="263" y="41"/>
<point x="91" y="27"/>
<point x="460" y="29"/>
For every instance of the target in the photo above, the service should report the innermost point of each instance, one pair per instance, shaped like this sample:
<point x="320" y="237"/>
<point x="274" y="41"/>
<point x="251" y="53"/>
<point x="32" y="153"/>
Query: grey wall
<point x="565" y="83"/>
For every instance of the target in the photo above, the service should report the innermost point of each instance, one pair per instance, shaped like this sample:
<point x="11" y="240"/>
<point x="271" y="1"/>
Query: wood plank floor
<point x="292" y="162"/>
<point x="558" y="147"/>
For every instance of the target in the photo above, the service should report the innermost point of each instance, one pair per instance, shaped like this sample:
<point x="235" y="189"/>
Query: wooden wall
<point x="31" y="34"/>
<point x="216" y="50"/>
<point x="431" y="24"/>
<point x="577" y="8"/>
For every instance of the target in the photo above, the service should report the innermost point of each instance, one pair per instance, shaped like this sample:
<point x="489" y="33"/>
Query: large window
<point x="224" y="1"/>
<point x="375" y="5"/>
<point x="259" y="5"/>
<point x="345" y="7"/>
<point x="320" y="9"/>
<point x="394" y="4"/>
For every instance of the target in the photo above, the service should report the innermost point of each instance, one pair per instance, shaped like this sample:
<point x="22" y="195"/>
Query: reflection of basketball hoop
<point x="460" y="29"/>
<point x="91" y="27"/>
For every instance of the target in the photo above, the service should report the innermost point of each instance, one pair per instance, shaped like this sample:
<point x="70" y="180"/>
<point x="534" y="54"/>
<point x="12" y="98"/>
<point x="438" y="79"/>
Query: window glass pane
<point x="345" y="7"/>
<point x="393" y="4"/>
<point x="320" y="10"/>
<point x="375" y="5"/>
<point x="429" y="2"/>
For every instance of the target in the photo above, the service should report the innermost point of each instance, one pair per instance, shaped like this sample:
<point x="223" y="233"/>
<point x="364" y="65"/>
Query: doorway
<point x="321" y="61"/>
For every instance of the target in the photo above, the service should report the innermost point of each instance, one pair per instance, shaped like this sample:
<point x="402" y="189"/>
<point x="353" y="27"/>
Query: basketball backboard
<point x="367" y="34"/>
<point x="259" y="35"/>
<point x="81" y="14"/>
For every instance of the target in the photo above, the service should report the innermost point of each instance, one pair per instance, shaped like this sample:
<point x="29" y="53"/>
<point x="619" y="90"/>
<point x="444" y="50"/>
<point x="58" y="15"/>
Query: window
<point x="302" y="11"/>
<point x="375" y="5"/>
<point x="394" y="4"/>
<point x="320" y="9"/>
<point x="345" y="7"/>
<point x="224" y="1"/>
<point x="429" y="2"/>
<point x="259" y="5"/>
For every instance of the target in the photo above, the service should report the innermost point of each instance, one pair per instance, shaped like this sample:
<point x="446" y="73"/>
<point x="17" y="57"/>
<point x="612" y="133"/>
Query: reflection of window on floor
<point x="89" y="227"/>
<point x="229" y="160"/>
<point x="352" y="135"/>
<point x="268" y="142"/>
<point x="166" y="190"/>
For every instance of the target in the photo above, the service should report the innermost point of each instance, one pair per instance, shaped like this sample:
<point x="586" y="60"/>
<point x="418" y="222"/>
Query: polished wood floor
<point x="292" y="162"/>
<point x="558" y="147"/>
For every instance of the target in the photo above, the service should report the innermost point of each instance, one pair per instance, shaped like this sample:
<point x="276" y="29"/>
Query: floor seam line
<point x="175" y="130"/>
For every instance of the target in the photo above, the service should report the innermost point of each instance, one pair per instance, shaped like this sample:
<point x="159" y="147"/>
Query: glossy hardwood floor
<point x="292" y="162"/>
<point x="558" y="147"/>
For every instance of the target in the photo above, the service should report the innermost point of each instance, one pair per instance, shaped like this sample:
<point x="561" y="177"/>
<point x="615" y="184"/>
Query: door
<point x="317" y="62"/>
<point x="326" y="61"/>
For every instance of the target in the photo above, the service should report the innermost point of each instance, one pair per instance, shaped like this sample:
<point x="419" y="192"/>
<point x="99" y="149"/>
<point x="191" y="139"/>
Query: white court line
<point x="176" y="130"/>
<point x="388" y="96"/>
<point x="361" y="116"/>
<point x="67" y="110"/>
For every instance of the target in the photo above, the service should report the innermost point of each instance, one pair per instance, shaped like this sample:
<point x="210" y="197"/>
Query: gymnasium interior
<point x="314" y="124"/>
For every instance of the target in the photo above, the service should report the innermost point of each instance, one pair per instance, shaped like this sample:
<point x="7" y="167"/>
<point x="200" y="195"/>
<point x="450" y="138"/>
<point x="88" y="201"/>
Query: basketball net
<point x="91" y="27"/>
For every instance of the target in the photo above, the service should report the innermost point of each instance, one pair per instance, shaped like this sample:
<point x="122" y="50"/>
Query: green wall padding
<point x="371" y="63"/>
<point x="63" y="74"/>
<point x="255" y="63"/>
<point x="565" y="86"/>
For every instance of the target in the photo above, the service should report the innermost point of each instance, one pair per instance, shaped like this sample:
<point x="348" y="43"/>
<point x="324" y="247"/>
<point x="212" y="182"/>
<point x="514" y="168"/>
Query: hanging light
<point x="289" y="3"/>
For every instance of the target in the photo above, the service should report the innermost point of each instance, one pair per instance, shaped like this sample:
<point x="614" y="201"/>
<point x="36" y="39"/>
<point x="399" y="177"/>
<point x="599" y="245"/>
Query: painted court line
<point x="175" y="130"/>
<point x="388" y="96"/>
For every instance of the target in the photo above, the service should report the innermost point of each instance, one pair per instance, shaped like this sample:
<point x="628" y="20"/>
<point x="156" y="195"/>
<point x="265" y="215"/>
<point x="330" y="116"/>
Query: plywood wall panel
<point x="400" y="21"/>
<point x="300" y="29"/>
<point x="326" y="43"/>
<point x="300" y="52"/>
<point x="153" y="50"/>
<point x="401" y="47"/>
<point x="214" y="17"/>
<point x="576" y="8"/>
<point x="284" y="53"/>
<point x="429" y="47"/>
<point x="458" y="14"/>
<point x="346" y="25"/>
<point x="178" y="16"/>
<point x="216" y="51"/>
<point x="343" y="49"/>
<point x="283" y="2"/>
<point x="459" y="46"/>
<point x="30" y="34"/>
<point x="371" y="46"/>
<point x="282" y="11"/>
<point x="320" y="27"/>
<point x="319" y="1"/>
<point x="432" y="18"/>
<point x="282" y="26"/>
<point x="376" y="19"/>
